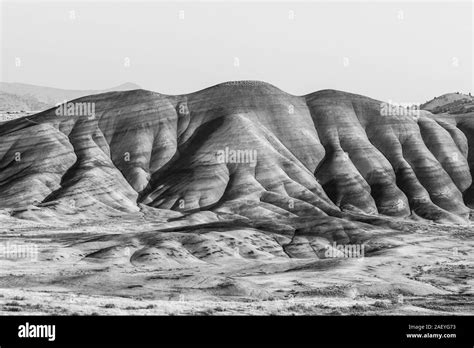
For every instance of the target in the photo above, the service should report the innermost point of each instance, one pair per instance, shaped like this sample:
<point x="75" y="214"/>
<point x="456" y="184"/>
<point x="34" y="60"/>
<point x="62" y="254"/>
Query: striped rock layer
<point x="244" y="148"/>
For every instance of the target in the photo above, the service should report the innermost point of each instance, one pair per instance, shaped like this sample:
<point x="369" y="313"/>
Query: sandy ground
<point x="423" y="269"/>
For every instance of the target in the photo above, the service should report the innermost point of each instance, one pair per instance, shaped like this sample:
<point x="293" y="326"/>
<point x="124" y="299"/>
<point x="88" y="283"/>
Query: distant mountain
<point x="25" y="97"/>
<point x="18" y="103"/>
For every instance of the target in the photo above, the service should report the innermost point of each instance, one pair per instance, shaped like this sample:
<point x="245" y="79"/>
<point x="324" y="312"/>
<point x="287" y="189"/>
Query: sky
<point x="403" y="52"/>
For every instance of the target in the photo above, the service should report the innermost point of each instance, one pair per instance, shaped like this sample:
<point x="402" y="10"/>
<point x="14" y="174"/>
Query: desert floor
<point x="423" y="269"/>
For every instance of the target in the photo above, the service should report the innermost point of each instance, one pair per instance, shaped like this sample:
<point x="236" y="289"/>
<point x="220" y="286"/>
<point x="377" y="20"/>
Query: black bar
<point x="248" y="331"/>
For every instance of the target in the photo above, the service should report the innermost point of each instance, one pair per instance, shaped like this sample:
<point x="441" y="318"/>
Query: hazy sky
<point x="399" y="51"/>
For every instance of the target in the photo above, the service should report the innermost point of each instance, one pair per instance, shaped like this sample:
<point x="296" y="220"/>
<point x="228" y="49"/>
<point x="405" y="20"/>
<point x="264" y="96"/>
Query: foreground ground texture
<point x="124" y="267"/>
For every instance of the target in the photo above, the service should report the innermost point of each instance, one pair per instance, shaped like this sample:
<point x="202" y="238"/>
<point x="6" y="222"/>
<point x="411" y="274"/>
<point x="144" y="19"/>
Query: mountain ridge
<point x="327" y="153"/>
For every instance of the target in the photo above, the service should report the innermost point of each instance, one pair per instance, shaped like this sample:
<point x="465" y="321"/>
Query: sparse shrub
<point x="13" y="303"/>
<point x="36" y="306"/>
<point x="358" y="307"/>
<point x="381" y="304"/>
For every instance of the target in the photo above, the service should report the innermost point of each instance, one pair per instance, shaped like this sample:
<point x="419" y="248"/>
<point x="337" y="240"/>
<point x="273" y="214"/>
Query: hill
<point x="453" y="103"/>
<point x="26" y="97"/>
<point x="243" y="148"/>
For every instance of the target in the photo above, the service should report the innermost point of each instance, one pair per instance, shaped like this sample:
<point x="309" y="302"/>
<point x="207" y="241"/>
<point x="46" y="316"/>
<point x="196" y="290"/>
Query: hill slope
<point x="237" y="149"/>
<point x="456" y="103"/>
